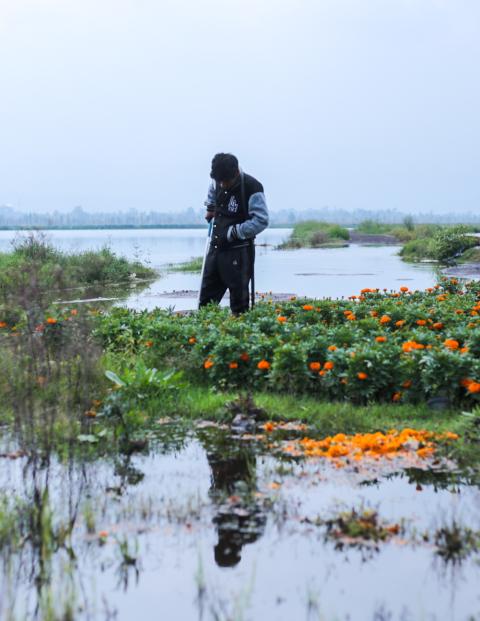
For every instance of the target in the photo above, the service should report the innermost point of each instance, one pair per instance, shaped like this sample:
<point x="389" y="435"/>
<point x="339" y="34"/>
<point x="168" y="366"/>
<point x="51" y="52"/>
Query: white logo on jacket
<point x="233" y="205"/>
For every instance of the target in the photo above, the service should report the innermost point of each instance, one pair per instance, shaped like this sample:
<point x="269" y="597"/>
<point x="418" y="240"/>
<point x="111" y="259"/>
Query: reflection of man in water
<point x="240" y="519"/>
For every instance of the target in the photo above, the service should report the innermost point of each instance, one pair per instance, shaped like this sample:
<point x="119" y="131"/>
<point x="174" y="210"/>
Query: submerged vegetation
<point x="194" y="265"/>
<point x="35" y="262"/>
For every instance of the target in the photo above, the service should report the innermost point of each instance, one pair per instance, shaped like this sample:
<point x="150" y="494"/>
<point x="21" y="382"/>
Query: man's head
<point x="224" y="169"/>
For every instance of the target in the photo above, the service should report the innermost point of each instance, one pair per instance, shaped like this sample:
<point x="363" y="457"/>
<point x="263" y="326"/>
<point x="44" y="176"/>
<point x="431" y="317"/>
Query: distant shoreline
<point x="113" y="227"/>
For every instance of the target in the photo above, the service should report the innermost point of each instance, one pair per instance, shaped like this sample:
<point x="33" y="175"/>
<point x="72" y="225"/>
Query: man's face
<point x="225" y="185"/>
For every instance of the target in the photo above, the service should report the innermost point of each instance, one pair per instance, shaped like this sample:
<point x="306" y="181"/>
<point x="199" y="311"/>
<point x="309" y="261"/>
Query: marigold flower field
<point x="384" y="346"/>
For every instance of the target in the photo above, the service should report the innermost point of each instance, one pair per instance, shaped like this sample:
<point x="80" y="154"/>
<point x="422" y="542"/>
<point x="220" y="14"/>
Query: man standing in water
<point x="237" y="204"/>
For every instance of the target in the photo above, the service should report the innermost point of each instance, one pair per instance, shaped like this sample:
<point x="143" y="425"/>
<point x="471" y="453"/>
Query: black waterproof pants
<point x="228" y="269"/>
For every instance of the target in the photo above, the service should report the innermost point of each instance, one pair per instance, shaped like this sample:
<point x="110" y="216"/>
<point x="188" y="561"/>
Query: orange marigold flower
<point x="471" y="325"/>
<point x="464" y="350"/>
<point x="51" y="320"/>
<point x="396" y="396"/>
<point x="233" y="365"/>
<point x="411" y="345"/>
<point x="351" y="317"/>
<point x="474" y="313"/>
<point x="347" y="312"/>
<point x="244" y="357"/>
<point x="362" y="375"/>
<point x="407" y="383"/>
<point x="373" y="313"/>
<point x="438" y="325"/>
<point x="322" y="373"/>
<point x="3" y="324"/>
<point x="451" y="344"/>
<point x="403" y="289"/>
<point x="208" y="364"/>
<point x="307" y="307"/>
<point x="458" y="311"/>
<point x="400" y="323"/>
<point x="421" y="322"/>
<point x="269" y="426"/>
<point x="148" y="343"/>
<point x="192" y="340"/>
<point x="328" y="366"/>
<point x="281" y="319"/>
<point x="385" y="319"/>
<point x="315" y="366"/>
<point x="332" y="348"/>
<point x="380" y="339"/>
<point x="263" y="365"/>
<point x="473" y="387"/>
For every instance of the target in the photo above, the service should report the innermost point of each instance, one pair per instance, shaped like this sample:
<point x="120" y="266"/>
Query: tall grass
<point x="314" y="234"/>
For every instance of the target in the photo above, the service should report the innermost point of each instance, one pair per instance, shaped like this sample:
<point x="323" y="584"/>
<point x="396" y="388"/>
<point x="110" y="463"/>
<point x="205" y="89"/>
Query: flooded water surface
<point x="306" y="272"/>
<point x="247" y="537"/>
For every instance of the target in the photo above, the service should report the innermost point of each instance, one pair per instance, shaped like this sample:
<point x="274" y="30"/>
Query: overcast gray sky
<point x="114" y="104"/>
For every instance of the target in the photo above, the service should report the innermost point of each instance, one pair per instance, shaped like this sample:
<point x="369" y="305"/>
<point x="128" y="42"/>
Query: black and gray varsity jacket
<point x="239" y="215"/>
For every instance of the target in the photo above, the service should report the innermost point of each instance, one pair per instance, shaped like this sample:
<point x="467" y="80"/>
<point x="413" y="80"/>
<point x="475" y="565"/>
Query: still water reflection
<point x="203" y="525"/>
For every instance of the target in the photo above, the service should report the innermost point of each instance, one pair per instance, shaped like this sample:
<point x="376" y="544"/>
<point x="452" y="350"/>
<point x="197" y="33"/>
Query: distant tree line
<point x="78" y="218"/>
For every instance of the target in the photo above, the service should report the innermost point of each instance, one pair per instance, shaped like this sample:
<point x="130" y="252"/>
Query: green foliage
<point x="372" y="227"/>
<point x="194" y="265"/>
<point x="409" y="223"/>
<point x="138" y="394"/>
<point x="34" y="262"/>
<point x="313" y="233"/>
<point x="441" y="244"/>
<point x="451" y="242"/>
<point x="328" y="348"/>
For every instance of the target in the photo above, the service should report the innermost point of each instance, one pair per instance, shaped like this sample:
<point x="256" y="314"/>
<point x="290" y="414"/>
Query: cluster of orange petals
<point x="3" y="324"/>
<point x="208" y="364"/>
<point x="148" y="343"/>
<point x="281" y="319"/>
<point x="385" y="319"/>
<point x="307" y="307"/>
<point x="369" y="445"/>
<point x="263" y="365"/>
<point x="380" y="339"/>
<point x="51" y="320"/>
<point x="451" y="344"/>
<point x="472" y="386"/>
<point x="409" y="346"/>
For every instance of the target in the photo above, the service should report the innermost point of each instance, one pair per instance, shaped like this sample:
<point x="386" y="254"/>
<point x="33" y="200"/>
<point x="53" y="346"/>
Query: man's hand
<point x="209" y="215"/>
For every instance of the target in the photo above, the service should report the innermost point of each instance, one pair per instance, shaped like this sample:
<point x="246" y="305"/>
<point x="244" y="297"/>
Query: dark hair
<point x="224" y="167"/>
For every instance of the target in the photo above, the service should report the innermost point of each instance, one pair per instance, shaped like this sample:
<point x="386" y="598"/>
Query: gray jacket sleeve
<point x="257" y="222"/>
<point x="211" y="198"/>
